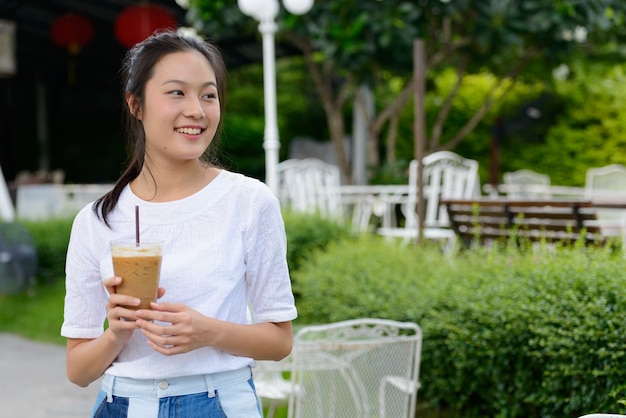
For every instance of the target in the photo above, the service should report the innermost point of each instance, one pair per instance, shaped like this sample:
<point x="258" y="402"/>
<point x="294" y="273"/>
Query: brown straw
<point x="137" y="225"/>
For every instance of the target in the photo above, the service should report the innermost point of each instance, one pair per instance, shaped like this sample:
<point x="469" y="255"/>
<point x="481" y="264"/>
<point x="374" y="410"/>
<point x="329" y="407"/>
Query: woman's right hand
<point x="88" y="358"/>
<point x="121" y="320"/>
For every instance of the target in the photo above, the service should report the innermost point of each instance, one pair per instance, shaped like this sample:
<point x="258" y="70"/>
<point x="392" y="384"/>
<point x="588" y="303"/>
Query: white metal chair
<point x="446" y="175"/>
<point x="605" y="184"/>
<point x="356" y="368"/>
<point x="310" y="185"/>
<point x="526" y="184"/>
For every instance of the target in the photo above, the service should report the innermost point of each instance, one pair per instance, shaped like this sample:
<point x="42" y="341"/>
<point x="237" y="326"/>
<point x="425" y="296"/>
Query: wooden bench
<point x="487" y="220"/>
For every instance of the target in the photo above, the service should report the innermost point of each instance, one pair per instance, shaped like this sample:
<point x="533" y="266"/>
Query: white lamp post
<point x="265" y="12"/>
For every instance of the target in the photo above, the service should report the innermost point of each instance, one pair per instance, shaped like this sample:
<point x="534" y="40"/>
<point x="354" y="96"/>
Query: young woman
<point x="224" y="255"/>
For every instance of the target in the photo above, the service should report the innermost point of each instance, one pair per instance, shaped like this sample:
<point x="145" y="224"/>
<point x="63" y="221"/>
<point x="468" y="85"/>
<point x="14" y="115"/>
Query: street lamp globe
<point x="259" y="9"/>
<point x="298" y="7"/>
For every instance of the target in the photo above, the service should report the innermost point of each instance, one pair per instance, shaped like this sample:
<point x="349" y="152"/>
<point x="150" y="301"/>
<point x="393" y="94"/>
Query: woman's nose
<point x="194" y="108"/>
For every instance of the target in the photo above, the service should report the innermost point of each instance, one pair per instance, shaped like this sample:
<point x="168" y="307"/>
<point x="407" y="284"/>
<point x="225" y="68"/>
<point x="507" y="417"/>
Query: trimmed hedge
<point x="507" y="332"/>
<point x="307" y="233"/>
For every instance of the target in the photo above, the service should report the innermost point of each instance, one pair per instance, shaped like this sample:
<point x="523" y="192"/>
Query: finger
<point x="111" y="283"/>
<point x="167" y="307"/>
<point x="123" y="300"/>
<point x="121" y="318"/>
<point x="167" y="350"/>
<point x="161" y="292"/>
<point x="152" y="315"/>
<point x="153" y="328"/>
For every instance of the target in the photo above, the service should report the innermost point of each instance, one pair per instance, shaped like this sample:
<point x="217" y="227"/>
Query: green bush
<point x="308" y="233"/>
<point x="51" y="240"/>
<point x="507" y="332"/>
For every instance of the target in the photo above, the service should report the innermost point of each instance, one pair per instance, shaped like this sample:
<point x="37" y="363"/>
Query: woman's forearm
<point x="263" y="341"/>
<point x="87" y="359"/>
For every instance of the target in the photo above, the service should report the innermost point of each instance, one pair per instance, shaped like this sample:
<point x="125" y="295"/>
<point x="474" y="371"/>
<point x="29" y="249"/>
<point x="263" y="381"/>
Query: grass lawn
<point x="37" y="315"/>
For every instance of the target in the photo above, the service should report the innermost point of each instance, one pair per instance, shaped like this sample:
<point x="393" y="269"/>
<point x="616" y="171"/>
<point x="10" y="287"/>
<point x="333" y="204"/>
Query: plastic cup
<point x="139" y="266"/>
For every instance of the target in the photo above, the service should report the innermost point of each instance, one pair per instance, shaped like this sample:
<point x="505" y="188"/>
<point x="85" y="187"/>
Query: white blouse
<point x="224" y="250"/>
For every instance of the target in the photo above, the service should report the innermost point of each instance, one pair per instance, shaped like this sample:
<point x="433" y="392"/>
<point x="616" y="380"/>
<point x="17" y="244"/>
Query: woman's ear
<point x="133" y="105"/>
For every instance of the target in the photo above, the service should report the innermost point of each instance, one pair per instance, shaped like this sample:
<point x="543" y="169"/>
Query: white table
<point x="368" y="201"/>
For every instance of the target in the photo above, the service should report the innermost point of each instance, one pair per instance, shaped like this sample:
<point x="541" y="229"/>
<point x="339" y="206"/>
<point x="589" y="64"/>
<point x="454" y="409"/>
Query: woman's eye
<point x="177" y="93"/>
<point x="210" y="96"/>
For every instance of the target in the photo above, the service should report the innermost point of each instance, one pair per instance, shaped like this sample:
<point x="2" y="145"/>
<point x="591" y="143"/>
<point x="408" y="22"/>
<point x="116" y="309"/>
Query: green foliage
<point x="521" y="132"/>
<point x="307" y="234"/>
<point x="590" y="131"/>
<point x="365" y="277"/>
<point x="371" y="41"/>
<point x="507" y="332"/>
<point x="51" y="240"/>
<point x="244" y="122"/>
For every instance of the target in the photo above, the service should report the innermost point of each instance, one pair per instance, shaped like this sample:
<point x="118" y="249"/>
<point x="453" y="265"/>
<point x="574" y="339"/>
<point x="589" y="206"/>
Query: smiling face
<point x="181" y="108"/>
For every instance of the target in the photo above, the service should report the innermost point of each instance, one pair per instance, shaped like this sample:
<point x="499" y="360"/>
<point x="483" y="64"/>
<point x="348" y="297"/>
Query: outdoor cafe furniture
<point x="607" y="184"/>
<point x="310" y="185"/>
<point x="525" y="191"/>
<point x="369" y="205"/>
<point x="486" y="220"/>
<point x="446" y="175"/>
<point x="524" y="178"/>
<point x="356" y="368"/>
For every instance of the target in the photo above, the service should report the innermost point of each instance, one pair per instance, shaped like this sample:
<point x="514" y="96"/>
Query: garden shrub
<point x="51" y="240"/>
<point x="307" y="233"/>
<point x="510" y="332"/>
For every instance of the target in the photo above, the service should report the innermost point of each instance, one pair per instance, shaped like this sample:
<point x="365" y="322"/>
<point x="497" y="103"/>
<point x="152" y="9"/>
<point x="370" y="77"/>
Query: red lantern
<point x="136" y="23"/>
<point x="71" y="31"/>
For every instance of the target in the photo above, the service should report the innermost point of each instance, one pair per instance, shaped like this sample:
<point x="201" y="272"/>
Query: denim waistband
<point x="176" y="386"/>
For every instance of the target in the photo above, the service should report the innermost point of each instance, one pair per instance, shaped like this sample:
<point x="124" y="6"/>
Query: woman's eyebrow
<point x="176" y="81"/>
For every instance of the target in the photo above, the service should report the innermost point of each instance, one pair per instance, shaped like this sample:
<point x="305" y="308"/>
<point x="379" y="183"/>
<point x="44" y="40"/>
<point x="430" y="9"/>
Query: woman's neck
<point x="158" y="184"/>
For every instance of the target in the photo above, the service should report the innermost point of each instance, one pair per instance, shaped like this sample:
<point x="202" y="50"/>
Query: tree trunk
<point x="333" y="104"/>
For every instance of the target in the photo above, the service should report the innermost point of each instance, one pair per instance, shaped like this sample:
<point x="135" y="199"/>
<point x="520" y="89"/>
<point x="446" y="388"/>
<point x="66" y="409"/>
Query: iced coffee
<point x="139" y="266"/>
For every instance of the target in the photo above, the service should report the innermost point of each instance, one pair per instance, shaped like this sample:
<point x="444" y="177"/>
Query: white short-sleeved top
<point x="224" y="248"/>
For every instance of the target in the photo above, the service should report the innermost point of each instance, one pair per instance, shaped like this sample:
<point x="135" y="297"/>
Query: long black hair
<point x="137" y="69"/>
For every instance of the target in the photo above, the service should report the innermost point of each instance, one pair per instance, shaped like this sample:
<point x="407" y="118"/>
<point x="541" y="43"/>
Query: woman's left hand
<point x="180" y="329"/>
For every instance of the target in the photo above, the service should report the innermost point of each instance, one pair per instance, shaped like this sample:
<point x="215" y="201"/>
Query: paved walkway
<point x="33" y="382"/>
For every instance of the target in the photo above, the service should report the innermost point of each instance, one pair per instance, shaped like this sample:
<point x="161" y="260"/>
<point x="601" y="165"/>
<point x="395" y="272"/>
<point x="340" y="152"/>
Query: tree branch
<point x="489" y="102"/>
<point x="444" y="112"/>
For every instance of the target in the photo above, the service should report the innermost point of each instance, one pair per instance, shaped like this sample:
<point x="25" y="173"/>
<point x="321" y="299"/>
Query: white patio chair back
<point x="527" y="184"/>
<point x="607" y="183"/>
<point x="356" y="369"/>
<point x="310" y="185"/>
<point x="446" y="175"/>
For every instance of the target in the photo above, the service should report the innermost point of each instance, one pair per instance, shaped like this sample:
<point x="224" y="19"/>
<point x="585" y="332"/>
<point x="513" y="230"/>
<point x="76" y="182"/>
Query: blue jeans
<point x="220" y="395"/>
